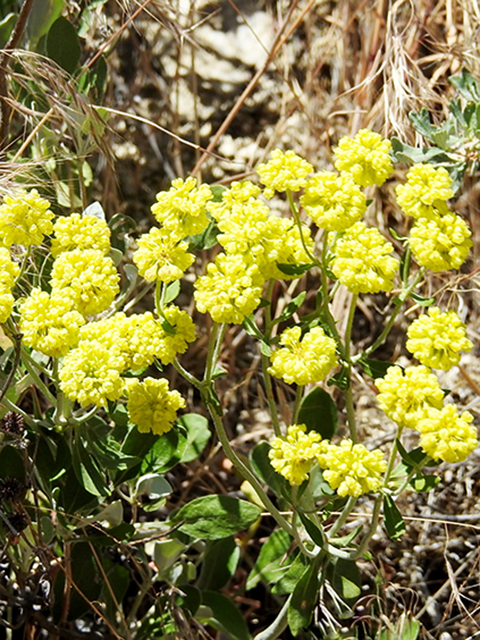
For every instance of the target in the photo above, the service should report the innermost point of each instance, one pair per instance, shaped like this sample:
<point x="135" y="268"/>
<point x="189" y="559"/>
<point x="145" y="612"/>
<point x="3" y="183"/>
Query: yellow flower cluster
<point x="294" y="455"/>
<point x="440" y="243"/>
<point x="334" y="202"/>
<point x="440" y="239"/>
<point x="9" y="270"/>
<point x="406" y="396"/>
<point x="304" y="360"/>
<point x="182" y="209"/>
<point x="362" y="260"/>
<point x="230" y="291"/>
<point x="366" y="157"/>
<point x="426" y="191"/>
<point x="129" y="343"/>
<point x="436" y="339"/>
<point x="351" y="470"/>
<point x="162" y="255"/>
<point x="88" y="278"/>
<point x="80" y="232"/>
<point x="49" y="323"/>
<point x="25" y="219"/>
<point x="283" y="172"/>
<point x="446" y="435"/>
<point x="151" y="406"/>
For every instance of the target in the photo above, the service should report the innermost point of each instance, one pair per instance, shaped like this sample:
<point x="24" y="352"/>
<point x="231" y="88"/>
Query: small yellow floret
<point x="351" y="470"/>
<point x="91" y="374"/>
<point x="25" y="219"/>
<point x="334" y="202"/>
<point x="9" y="270"/>
<point x="440" y="243"/>
<point x="407" y="396"/>
<point x="49" y="323"/>
<point x="230" y="291"/>
<point x="182" y="209"/>
<point x="283" y="172"/>
<point x="366" y="157"/>
<point x="445" y="435"/>
<point x="88" y="277"/>
<point x="80" y="232"/>
<point x="151" y="406"/>
<point x="292" y="456"/>
<point x="362" y="260"/>
<point x="183" y="333"/>
<point x="426" y="191"/>
<point x="162" y="255"/>
<point x="437" y="339"/>
<point x="304" y="360"/>
<point x="240" y="193"/>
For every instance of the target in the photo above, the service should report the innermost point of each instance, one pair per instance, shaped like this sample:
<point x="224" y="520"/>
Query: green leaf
<point x="189" y="598"/>
<point x="152" y="485"/>
<point x="87" y="470"/>
<point x="216" y="516"/>
<point x="375" y="368"/>
<point x="271" y="563"/>
<point x="166" y="553"/>
<point x="172" y="291"/>
<point x="294" y="269"/>
<point x="263" y="468"/>
<point x="319" y="413"/>
<point x="224" y="616"/>
<point x="62" y="44"/>
<point x="219" y="564"/>
<point x="466" y="85"/>
<point x="205" y="240"/>
<point x="287" y="583"/>
<point x="313" y="531"/>
<point x="217" y="191"/>
<point x="422" y="484"/>
<point x="344" y="577"/>
<point x="198" y="434"/>
<point x="421" y="122"/>
<point x="420" y="300"/>
<point x="42" y="16"/>
<point x="405" y="266"/>
<point x="251" y="328"/>
<point x="394" y="523"/>
<point x="340" y="379"/>
<point x="303" y="601"/>
<point x="291" y="308"/>
<point x="166" y="452"/>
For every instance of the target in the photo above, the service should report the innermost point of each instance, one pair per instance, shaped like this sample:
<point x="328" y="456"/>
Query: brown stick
<point x="12" y="43"/>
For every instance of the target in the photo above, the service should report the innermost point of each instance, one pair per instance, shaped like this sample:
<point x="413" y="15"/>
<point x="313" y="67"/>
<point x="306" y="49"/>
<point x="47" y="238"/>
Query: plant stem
<point x="31" y="368"/>
<point x="267" y="380"/>
<point x="349" y="404"/>
<point x="351" y="502"/>
<point x="294" y="210"/>
<point x="298" y="403"/>
<point x="278" y="626"/>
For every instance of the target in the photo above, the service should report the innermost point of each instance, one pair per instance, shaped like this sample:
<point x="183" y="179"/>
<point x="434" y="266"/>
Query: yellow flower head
<point x="366" y="157"/>
<point x="151" y="406"/>
<point x="362" y="260"/>
<point x="240" y="193"/>
<point x="88" y="277"/>
<point x="91" y="374"/>
<point x="445" y="435"/>
<point x="181" y="209"/>
<point x="162" y="255"/>
<point x="183" y="333"/>
<point x="426" y="191"/>
<point x="49" y="323"/>
<point x="9" y="270"/>
<point x="304" y="360"/>
<point x="407" y="396"/>
<point x="294" y="455"/>
<point x="437" y="339"/>
<point x="351" y="470"/>
<point x="80" y="232"/>
<point x="6" y="304"/>
<point x="334" y="202"/>
<point x="283" y="172"/>
<point x="25" y="219"/>
<point x="230" y="291"/>
<point x="440" y="243"/>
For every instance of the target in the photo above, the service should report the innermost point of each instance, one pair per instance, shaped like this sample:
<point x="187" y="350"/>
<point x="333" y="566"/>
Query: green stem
<point x="31" y="368"/>
<point x="159" y="299"/>
<point x="326" y="297"/>
<point x="214" y="345"/>
<point x="248" y="475"/>
<point x="342" y="518"/>
<point x="267" y="380"/>
<point x="296" y="216"/>
<point x="298" y="403"/>
<point x="401" y="299"/>
<point x="278" y="626"/>
<point x="23" y="267"/>
<point x="349" y="404"/>
<point x="187" y="375"/>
